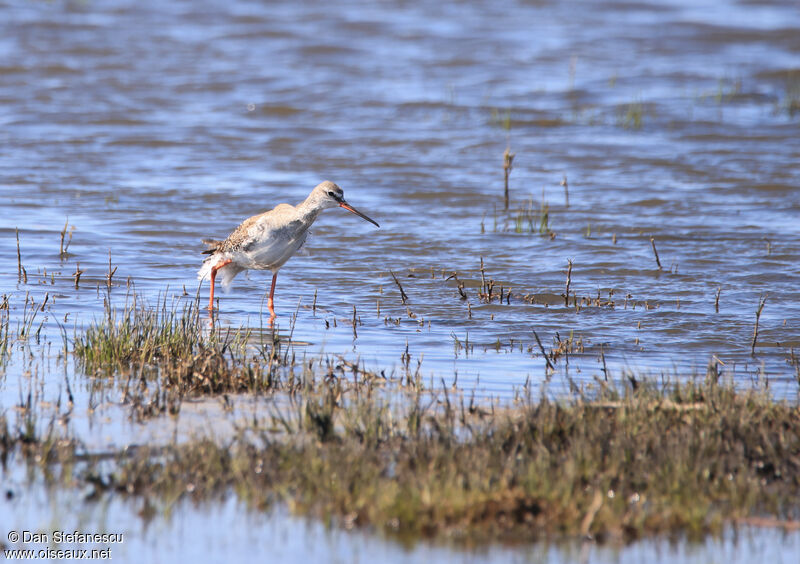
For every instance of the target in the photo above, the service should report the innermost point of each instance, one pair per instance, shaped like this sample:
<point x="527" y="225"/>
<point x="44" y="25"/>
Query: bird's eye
<point x="332" y="194"/>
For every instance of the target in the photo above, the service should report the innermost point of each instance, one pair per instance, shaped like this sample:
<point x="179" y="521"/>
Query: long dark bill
<point x="350" y="208"/>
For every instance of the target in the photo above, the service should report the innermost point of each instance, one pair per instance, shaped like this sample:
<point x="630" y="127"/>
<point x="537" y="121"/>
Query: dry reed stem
<point x="761" y="301"/>
<point x="569" y="281"/>
<point x="655" y="252"/>
<point x="544" y="354"/>
<point x="403" y="296"/>
<point x="21" y="273"/>
<point x="508" y="159"/>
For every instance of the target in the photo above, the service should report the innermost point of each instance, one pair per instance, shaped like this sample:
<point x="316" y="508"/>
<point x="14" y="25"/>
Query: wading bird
<point x="266" y="241"/>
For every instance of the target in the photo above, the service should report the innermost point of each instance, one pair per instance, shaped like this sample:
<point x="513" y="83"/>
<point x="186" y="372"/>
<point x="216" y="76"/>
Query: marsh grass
<point x="30" y="312"/>
<point x="791" y="101"/>
<point x="615" y="464"/>
<point x="727" y="90"/>
<point x="612" y="462"/>
<point x="620" y="465"/>
<point x="136" y="333"/>
<point x="501" y="119"/>
<point x="46" y="447"/>
<point x="27" y="328"/>
<point x="172" y="346"/>
<point x="530" y="220"/>
<point x="508" y="160"/>
<point x="5" y="336"/>
<point x="159" y="355"/>
<point x="631" y="117"/>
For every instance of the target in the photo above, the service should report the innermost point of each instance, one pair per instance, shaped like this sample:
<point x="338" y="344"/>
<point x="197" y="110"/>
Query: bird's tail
<point x="225" y="275"/>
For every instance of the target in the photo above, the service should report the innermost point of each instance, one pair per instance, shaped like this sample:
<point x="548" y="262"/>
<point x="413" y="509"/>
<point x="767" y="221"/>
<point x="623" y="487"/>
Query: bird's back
<point x="267" y="240"/>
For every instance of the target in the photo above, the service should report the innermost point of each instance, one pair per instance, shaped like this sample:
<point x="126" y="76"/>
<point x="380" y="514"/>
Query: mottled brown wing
<point x="213" y="246"/>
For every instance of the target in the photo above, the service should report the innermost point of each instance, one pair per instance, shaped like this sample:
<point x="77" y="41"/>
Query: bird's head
<point x="329" y="195"/>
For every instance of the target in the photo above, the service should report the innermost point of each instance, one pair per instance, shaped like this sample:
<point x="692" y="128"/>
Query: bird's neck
<point x="308" y="211"/>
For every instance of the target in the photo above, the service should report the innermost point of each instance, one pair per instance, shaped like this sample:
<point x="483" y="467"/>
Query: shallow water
<point x="147" y="126"/>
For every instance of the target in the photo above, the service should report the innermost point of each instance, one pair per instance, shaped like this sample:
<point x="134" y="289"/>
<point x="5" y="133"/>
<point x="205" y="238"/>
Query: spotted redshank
<point x="266" y="241"/>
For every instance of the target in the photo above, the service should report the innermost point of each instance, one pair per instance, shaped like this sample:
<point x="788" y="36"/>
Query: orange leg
<point x="213" y="276"/>
<point x="270" y="302"/>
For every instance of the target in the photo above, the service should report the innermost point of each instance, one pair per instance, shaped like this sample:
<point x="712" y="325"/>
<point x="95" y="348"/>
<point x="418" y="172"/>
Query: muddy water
<point x="146" y="126"/>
